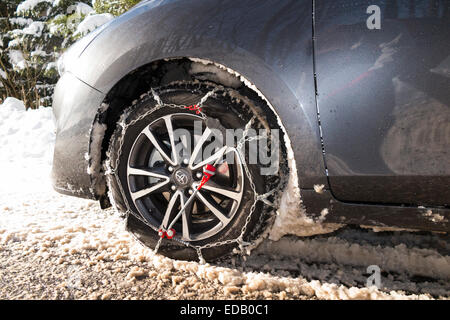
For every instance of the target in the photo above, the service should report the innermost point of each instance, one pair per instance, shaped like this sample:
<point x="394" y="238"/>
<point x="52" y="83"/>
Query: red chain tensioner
<point x="195" y="108"/>
<point x="208" y="171"/>
<point x="169" y="234"/>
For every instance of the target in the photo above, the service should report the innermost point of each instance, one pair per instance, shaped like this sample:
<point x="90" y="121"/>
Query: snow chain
<point x="240" y="145"/>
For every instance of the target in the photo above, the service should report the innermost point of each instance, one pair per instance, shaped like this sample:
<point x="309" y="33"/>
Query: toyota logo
<point x="181" y="177"/>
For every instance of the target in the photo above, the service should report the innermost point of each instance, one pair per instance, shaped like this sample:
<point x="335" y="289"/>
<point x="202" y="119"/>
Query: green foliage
<point x="38" y="11"/>
<point x="65" y="26"/>
<point x="115" y="7"/>
<point x="33" y="35"/>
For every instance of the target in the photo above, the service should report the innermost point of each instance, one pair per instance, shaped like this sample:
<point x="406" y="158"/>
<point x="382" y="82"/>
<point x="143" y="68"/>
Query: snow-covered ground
<point x="58" y="247"/>
<point x="26" y="147"/>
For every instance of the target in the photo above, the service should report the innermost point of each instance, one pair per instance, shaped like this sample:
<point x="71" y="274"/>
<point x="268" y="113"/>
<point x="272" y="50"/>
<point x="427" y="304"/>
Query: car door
<point x="383" y="96"/>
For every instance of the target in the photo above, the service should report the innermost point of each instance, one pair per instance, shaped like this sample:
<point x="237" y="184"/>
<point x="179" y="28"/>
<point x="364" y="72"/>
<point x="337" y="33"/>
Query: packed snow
<point x="26" y="144"/>
<point x="58" y="247"/>
<point x="80" y="8"/>
<point x="17" y="59"/>
<point x="34" y="29"/>
<point x="30" y="5"/>
<point x="22" y="22"/>
<point x="92" y="22"/>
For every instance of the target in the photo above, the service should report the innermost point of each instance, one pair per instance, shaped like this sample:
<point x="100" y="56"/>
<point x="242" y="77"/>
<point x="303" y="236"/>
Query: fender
<point x="268" y="43"/>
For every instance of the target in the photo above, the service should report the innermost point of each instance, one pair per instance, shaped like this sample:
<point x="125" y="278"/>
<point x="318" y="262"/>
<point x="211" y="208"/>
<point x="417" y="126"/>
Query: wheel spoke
<point x="198" y="147"/>
<point x="148" y="172"/>
<point x="213" y="187"/>
<point x="186" y="218"/>
<point x="162" y="149"/>
<point x="170" y="207"/>
<point x="214" y="209"/>
<point x="213" y="158"/>
<point x="168" y="122"/>
<point x="147" y="191"/>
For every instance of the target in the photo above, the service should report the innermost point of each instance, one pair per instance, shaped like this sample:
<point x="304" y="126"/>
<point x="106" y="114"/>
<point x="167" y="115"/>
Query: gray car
<point x="346" y="101"/>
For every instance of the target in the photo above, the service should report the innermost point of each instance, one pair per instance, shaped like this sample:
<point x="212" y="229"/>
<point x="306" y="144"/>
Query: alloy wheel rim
<point x="162" y="173"/>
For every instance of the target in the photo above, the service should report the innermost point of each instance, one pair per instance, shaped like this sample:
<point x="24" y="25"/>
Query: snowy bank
<point x="26" y="144"/>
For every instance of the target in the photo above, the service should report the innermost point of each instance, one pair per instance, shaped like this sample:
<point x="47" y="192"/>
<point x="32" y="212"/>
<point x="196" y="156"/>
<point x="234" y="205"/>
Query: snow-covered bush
<point x="35" y="33"/>
<point x="30" y="45"/>
<point x="114" y="7"/>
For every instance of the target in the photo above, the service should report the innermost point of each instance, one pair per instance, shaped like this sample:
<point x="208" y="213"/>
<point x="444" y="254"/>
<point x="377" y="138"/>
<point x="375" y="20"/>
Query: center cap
<point x="182" y="177"/>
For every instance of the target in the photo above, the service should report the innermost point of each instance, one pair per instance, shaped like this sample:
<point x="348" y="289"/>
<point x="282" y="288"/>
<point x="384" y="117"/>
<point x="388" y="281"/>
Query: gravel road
<point x="58" y="247"/>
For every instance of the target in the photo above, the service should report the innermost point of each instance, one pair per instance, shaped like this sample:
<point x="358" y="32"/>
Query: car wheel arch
<point x="157" y="73"/>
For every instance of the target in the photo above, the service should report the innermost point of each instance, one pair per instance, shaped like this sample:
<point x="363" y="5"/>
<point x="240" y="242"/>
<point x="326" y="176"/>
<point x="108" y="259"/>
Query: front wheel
<point x="159" y="155"/>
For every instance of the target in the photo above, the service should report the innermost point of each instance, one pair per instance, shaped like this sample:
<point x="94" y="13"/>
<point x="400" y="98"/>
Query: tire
<point x="131" y="147"/>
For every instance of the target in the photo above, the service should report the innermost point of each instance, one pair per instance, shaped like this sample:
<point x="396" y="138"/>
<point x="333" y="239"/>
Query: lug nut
<point x="190" y="191"/>
<point x="185" y="161"/>
<point x="199" y="175"/>
<point x="173" y="187"/>
<point x="170" y="169"/>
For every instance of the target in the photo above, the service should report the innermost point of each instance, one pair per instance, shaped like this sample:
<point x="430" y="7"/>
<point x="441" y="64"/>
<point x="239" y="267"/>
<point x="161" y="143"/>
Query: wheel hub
<point x="182" y="177"/>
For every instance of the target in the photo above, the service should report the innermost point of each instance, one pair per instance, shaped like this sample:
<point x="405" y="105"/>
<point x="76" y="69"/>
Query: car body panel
<point x="382" y="217"/>
<point x="269" y="43"/>
<point x="384" y="100"/>
<point x="74" y="120"/>
<point x="272" y="48"/>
